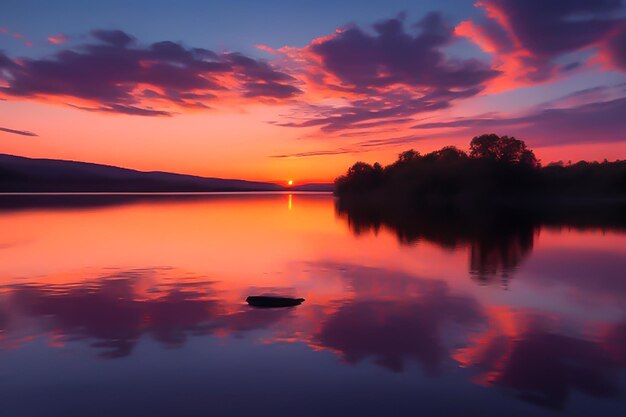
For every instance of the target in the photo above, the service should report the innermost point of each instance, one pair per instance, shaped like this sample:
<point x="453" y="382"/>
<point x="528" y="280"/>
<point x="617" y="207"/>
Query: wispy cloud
<point x="589" y="122"/>
<point x="359" y="147"/>
<point x="57" y="39"/>
<point x="315" y="153"/>
<point x="18" y="132"/>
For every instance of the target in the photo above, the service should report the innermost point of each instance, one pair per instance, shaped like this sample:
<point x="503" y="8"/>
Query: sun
<point x="290" y="182"/>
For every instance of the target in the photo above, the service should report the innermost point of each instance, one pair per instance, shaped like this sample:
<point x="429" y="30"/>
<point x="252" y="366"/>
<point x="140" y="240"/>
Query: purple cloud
<point x="601" y="121"/>
<point x="270" y="89"/>
<point x="559" y="26"/>
<point x="387" y="76"/>
<point x="535" y="33"/>
<point x="121" y="109"/>
<point x="112" y="72"/>
<point x="362" y="61"/>
<point x="113" y="37"/>
<point x="616" y="48"/>
<point x="392" y="107"/>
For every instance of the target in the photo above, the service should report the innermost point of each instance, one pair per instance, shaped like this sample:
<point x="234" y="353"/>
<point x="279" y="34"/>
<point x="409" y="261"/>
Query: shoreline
<point x="155" y="193"/>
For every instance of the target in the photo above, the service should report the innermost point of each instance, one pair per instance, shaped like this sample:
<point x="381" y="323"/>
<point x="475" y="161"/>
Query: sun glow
<point x="290" y="182"/>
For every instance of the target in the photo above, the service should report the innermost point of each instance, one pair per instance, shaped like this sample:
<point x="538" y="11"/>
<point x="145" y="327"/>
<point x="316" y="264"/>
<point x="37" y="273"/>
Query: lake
<point x="134" y="305"/>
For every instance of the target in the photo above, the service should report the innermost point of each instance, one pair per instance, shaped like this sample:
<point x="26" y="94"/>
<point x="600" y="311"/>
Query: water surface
<point x="134" y="306"/>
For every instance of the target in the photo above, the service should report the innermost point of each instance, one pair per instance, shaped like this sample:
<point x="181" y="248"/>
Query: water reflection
<point x="538" y="357"/>
<point x="85" y="201"/>
<point x="394" y="318"/>
<point x="384" y="316"/>
<point x="113" y="312"/>
<point x="110" y="312"/>
<point x="531" y="355"/>
<point x="134" y="291"/>
<point x="498" y="240"/>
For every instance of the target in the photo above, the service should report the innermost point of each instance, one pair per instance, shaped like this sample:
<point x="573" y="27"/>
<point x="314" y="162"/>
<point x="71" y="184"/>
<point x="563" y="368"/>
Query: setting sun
<point x="290" y="182"/>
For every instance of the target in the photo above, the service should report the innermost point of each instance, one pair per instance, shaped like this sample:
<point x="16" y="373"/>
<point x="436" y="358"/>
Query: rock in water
<point x="273" y="302"/>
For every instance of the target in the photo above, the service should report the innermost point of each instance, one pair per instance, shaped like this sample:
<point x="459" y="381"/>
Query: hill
<point x="21" y="174"/>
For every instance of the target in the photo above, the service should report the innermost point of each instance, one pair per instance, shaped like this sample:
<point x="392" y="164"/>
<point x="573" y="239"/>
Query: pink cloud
<point x="382" y="78"/>
<point x="114" y="74"/>
<point x="526" y="39"/>
<point x="57" y="39"/>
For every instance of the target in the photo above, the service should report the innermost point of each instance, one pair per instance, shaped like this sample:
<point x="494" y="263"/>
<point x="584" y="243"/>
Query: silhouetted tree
<point x="449" y="154"/>
<point x="498" y="169"/>
<point x="409" y="155"/>
<point x="505" y="149"/>
<point x="360" y="177"/>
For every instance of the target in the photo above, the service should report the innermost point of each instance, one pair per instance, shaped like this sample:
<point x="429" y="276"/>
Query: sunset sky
<point x="279" y="90"/>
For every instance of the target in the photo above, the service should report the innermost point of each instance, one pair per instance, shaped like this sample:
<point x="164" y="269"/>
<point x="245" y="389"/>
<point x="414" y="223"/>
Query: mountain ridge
<point x="23" y="174"/>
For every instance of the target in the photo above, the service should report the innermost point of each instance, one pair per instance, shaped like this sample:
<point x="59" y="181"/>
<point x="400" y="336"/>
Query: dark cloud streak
<point x="18" y="132"/>
<point x="360" y="147"/>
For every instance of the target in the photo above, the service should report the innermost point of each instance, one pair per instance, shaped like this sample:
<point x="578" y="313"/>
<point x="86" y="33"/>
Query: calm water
<point x="133" y="306"/>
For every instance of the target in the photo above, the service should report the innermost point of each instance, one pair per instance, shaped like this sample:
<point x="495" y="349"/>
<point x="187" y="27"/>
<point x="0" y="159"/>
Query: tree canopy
<point x="496" y="168"/>
<point x="505" y="149"/>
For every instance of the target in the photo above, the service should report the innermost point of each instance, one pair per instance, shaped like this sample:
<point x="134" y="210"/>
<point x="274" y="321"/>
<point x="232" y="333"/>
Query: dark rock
<point x="273" y="302"/>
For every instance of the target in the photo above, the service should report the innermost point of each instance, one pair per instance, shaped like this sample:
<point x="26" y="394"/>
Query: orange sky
<point x="306" y="110"/>
<point x="229" y="144"/>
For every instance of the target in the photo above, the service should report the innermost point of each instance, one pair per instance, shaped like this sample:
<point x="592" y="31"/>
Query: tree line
<point x="496" y="169"/>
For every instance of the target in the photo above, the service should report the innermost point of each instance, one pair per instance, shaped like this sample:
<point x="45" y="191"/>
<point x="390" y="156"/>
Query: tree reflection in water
<point x="498" y="238"/>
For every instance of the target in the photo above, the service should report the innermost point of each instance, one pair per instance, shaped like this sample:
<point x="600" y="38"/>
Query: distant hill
<point x="20" y="174"/>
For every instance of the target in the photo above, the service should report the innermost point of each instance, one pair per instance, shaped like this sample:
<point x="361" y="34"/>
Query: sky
<point x="284" y="90"/>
